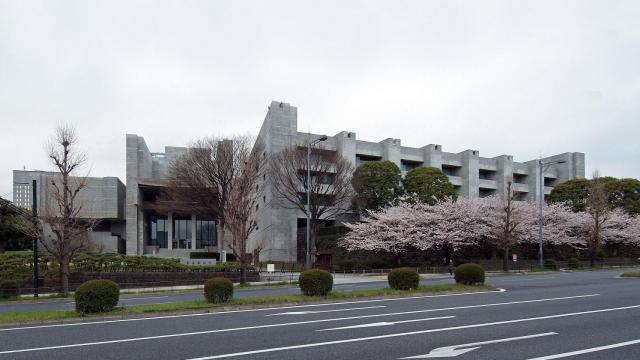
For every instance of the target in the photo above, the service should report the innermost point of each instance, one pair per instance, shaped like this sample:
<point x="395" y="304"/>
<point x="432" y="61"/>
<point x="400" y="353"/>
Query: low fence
<point x="129" y="280"/>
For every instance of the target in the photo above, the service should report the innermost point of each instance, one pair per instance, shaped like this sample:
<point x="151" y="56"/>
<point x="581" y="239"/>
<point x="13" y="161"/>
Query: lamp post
<point x="542" y="166"/>
<point x="308" y="185"/>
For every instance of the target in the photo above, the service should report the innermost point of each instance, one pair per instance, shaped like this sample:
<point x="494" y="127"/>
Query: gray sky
<point x="519" y="77"/>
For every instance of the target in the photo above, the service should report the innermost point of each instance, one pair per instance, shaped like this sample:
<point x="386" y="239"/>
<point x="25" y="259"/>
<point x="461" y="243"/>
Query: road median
<point x="194" y="306"/>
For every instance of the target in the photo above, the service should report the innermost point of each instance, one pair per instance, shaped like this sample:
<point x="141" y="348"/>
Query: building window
<point x="407" y="165"/>
<point x="361" y="159"/>
<point x="181" y="233"/>
<point x="205" y="233"/>
<point x="157" y="231"/>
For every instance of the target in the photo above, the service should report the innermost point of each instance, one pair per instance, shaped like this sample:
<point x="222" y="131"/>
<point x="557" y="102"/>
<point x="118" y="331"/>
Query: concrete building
<point x="472" y="175"/>
<point x="101" y="199"/>
<point x="140" y="220"/>
<point x="155" y="225"/>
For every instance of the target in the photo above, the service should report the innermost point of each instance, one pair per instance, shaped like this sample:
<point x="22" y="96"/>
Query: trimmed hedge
<point x="315" y="282"/>
<point x="550" y="264"/>
<point x="9" y="288"/>
<point x="218" y="290"/>
<point x="469" y="274"/>
<point x="97" y="296"/>
<point x="404" y="278"/>
<point x="573" y="263"/>
<point x="204" y="255"/>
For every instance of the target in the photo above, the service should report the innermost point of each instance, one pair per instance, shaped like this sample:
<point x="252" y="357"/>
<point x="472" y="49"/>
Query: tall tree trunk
<point x="64" y="276"/>
<point x="243" y="271"/>
<point x="505" y="260"/>
<point x="221" y="231"/>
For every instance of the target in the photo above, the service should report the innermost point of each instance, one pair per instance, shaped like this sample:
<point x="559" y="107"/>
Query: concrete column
<point x="504" y="174"/>
<point x="433" y="156"/>
<point x="533" y="180"/>
<point x="470" y="174"/>
<point x="391" y="150"/>
<point x="193" y="232"/>
<point x="346" y="145"/>
<point x="170" y="231"/>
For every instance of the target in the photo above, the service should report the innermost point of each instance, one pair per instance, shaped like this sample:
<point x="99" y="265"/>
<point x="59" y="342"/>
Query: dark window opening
<point x="487" y="174"/>
<point x="520" y="178"/>
<point x="451" y="170"/>
<point x="408" y="165"/>
<point x="157" y="226"/>
<point x="362" y="159"/>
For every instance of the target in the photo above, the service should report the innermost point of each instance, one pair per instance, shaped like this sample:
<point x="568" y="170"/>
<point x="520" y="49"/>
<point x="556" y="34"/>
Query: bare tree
<point x="329" y="185"/>
<point x="599" y="213"/>
<point x="510" y="222"/>
<point x="219" y="177"/>
<point x="241" y="205"/>
<point x="62" y="214"/>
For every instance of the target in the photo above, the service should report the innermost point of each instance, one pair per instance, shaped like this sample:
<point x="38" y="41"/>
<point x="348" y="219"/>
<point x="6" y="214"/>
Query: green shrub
<point x="315" y="282"/>
<point x="97" y="296"/>
<point x="404" y="278"/>
<point x="9" y="288"/>
<point x="218" y="290"/>
<point x="550" y="264"/>
<point x="469" y="274"/>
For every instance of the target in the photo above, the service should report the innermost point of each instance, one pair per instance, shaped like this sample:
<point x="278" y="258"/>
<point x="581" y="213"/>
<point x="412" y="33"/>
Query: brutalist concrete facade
<point x="472" y="175"/>
<point x="101" y="199"/>
<point x="147" y="173"/>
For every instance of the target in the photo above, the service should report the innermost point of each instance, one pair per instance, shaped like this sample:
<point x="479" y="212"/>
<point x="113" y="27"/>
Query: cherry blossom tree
<point x="446" y="225"/>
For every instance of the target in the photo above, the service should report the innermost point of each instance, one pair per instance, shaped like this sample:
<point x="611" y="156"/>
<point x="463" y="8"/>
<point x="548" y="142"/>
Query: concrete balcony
<point x="520" y="187"/>
<point x="455" y="180"/>
<point x="487" y="184"/>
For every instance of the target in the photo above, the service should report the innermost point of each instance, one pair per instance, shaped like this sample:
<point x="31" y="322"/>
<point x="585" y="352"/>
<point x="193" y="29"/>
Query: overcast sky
<point x="525" y="78"/>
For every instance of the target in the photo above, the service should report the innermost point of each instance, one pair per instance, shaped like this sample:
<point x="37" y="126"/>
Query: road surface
<point x="585" y="315"/>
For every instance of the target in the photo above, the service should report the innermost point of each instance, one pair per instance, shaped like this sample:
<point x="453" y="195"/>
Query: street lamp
<point x="308" y="183"/>
<point x="542" y="166"/>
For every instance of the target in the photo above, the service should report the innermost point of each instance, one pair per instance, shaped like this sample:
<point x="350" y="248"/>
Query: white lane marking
<point x="385" y="323"/>
<point x="529" y="279"/>
<point x="455" y="350"/>
<point x="410" y="333"/>
<point x="325" y="311"/>
<point x="246" y="310"/>
<point x="300" y="323"/>
<point x="585" y="351"/>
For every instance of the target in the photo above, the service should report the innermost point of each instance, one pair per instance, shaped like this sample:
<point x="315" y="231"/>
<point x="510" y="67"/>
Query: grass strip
<point x="635" y="274"/>
<point x="51" y="315"/>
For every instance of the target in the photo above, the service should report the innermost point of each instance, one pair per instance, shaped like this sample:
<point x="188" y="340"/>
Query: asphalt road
<point x="589" y="315"/>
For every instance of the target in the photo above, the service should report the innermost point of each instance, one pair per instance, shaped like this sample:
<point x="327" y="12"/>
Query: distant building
<point x="140" y="220"/>
<point x="473" y="176"/>
<point x="101" y="199"/>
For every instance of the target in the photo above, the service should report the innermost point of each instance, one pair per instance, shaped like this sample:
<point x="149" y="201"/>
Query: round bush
<point x="469" y="274"/>
<point x="315" y="282"/>
<point x="573" y="263"/>
<point x="97" y="296"/>
<point x="550" y="264"/>
<point x="218" y="290"/>
<point x="404" y="278"/>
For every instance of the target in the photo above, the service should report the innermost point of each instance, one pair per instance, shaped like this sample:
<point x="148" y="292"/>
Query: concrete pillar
<point x="433" y="156"/>
<point x="391" y="150"/>
<point x="170" y="231"/>
<point x="533" y="181"/>
<point x="193" y="232"/>
<point x="346" y="145"/>
<point x="504" y="174"/>
<point x="470" y="174"/>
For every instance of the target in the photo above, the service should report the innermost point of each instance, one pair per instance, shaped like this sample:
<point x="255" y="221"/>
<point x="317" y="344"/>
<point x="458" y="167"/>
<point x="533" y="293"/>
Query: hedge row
<point x="18" y="265"/>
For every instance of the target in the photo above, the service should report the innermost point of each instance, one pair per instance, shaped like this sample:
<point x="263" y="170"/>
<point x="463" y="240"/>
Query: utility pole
<point x="34" y="218"/>
<point x="542" y="166"/>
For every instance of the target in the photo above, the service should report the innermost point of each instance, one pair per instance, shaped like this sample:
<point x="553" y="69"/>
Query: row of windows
<point x="158" y="227"/>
